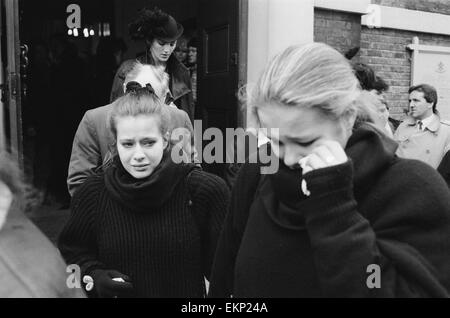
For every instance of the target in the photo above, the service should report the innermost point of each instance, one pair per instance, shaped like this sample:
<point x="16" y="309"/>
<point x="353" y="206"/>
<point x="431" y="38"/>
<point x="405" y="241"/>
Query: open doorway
<point x="70" y="73"/>
<point x="64" y="76"/>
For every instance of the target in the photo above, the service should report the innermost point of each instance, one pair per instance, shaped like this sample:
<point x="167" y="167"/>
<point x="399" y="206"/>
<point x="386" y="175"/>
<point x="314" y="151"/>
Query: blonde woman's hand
<point x="329" y="153"/>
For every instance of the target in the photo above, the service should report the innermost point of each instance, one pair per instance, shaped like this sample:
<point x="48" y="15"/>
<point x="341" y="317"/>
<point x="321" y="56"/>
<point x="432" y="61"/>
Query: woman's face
<point x="381" y="106"/>
<point x="181" y="51"/>
<point x="192" y="55"/>
<point x="301" y="130"/>
<point x="140" y="144"/>
<point x="6" y="198"/>
<point x="161" y="50"/>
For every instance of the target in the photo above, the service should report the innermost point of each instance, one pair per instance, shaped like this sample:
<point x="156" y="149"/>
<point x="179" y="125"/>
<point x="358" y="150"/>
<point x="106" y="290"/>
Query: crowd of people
<point x="355" y="189"/>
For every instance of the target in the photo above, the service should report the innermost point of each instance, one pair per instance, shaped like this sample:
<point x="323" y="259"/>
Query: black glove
<point x="106" y="287"/>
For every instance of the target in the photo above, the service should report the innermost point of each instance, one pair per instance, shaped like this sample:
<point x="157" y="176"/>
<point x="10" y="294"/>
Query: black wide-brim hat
<point x="169" y="31"/>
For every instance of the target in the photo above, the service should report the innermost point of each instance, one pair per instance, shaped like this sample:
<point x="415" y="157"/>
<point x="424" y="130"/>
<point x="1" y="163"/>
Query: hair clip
<point x="135" y="87"/>
<point x="132" y="87"/>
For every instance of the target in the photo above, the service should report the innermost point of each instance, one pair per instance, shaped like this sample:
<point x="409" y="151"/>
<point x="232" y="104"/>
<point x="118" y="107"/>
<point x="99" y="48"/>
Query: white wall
<point x="354" y="6"/>
<point x="409" y="20"/>
<point x="274" y="25"/>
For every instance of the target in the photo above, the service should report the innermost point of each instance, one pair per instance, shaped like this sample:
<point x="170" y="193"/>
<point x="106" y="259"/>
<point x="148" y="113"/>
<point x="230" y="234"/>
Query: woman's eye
<point x="127" y="144"/>
<point x="148" y="143"/>
<point x="306" y="144"/>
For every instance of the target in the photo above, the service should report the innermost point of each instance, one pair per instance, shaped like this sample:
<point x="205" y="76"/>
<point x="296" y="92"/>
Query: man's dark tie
<point x="420" y="123"/>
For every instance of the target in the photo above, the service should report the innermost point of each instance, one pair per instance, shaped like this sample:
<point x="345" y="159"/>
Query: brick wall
<point x="385" y="50"/>
<point x="339" y="30"/>
<point x="435" y="6"/>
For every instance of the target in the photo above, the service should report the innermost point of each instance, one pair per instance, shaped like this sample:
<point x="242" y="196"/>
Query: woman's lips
<point x="141" y="167"/>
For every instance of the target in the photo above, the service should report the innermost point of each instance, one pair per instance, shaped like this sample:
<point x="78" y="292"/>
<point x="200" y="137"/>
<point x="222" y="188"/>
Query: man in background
<point x="424" y="135"/>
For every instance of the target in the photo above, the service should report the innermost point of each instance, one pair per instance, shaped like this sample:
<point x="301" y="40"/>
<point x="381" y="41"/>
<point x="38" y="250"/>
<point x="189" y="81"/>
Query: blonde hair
<point x="161" y="78"/>
<point x="139" y="103"/>
<point x="312" y="75"/>
<point x="25" y="197"/>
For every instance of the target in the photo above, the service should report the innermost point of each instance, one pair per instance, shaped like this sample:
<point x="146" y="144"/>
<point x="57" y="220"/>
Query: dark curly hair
<point x="147" y="23"/>
<point x="367" y="78"/>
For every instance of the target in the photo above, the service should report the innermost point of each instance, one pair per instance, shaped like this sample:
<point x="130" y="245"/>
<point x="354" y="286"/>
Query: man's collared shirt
<point x="427" y="121"/>
<point x="428" y="145"/>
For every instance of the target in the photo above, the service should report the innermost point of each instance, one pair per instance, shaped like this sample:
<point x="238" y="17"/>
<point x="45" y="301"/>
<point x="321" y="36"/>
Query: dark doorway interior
<point x="218" y="71"/>
<point x="58" y="85"/>
<point x="65" y="77"/>
<point x="67" y="74"/>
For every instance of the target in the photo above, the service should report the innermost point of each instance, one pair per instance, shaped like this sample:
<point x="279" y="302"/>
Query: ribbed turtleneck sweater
<point x="166" y="252"/>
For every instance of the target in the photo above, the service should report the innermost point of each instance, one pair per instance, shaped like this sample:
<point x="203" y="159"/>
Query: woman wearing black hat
<point x="160" y="31"/>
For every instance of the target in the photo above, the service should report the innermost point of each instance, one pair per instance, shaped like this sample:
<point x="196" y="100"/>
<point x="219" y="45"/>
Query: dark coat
<point x="179" y="85"/>
<point x="394" y="123"/>
<point x="374" y="209"/>
<point x="444" y="168"/>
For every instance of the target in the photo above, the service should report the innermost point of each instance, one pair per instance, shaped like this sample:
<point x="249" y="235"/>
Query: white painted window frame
<point x="416" y="48"/>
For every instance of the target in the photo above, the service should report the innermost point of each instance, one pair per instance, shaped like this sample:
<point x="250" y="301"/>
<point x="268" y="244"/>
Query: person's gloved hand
<point x="106" y="287"/>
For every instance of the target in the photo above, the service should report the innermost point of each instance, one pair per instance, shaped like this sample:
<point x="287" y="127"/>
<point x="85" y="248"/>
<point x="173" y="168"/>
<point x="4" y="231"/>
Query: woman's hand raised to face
<point x="327" y="154"/>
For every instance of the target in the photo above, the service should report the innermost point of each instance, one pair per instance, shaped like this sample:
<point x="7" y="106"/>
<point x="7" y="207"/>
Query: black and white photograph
<point x="224" y="156"/>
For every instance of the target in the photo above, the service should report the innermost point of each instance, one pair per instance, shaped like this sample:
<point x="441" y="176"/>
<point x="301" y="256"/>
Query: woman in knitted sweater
<point x="146" y="227"/>
<point x="343" y="216"/>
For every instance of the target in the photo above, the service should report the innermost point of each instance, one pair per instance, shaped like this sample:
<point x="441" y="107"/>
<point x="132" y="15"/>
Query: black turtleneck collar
<point x="149" y="193"/>
<point x="370" y="152"/>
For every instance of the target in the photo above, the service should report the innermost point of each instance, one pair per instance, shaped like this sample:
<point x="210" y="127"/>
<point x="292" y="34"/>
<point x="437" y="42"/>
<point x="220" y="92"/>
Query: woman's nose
<point x="291" y="157"/>
<point x="138" y="154"/>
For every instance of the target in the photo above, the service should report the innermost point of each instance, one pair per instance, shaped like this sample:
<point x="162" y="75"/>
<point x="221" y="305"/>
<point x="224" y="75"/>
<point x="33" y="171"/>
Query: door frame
<point x="243" y="58"/>
<point x="13" y="80"/>
<point x="2" y="105"/>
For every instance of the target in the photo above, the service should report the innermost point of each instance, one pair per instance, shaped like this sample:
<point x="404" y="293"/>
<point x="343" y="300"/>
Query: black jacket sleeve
<point x="210" y="198"/>
<point x="222" y="274"/>
<point x="405" y="240"/>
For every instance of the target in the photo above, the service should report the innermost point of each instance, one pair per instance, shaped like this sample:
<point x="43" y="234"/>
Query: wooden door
<point x="219" y="66"/>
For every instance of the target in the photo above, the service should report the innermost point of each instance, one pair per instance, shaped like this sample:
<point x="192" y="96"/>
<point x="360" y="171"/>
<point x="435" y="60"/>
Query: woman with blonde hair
<point x="343" y="216"/>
